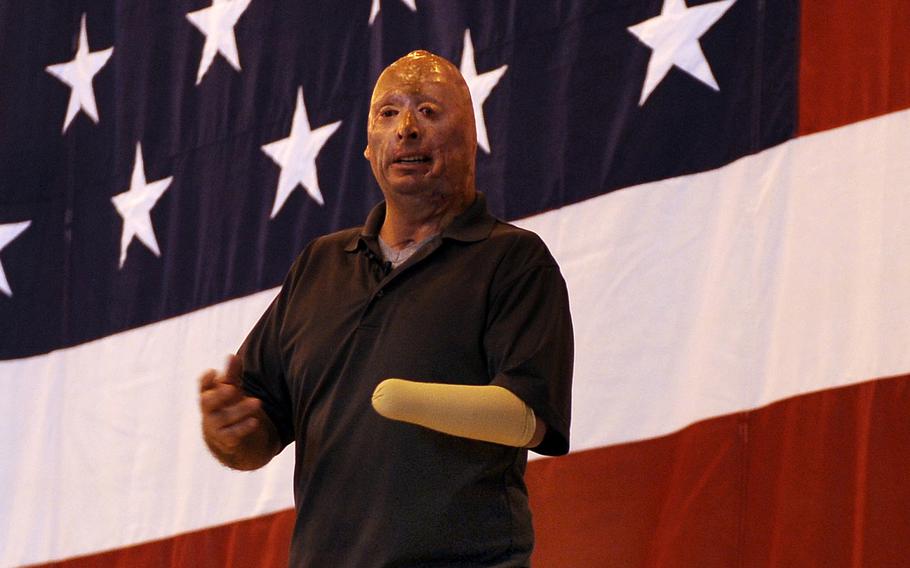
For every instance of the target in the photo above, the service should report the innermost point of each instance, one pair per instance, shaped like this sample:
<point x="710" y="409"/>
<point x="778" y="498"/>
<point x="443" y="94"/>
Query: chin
<point x="407" y="188"/>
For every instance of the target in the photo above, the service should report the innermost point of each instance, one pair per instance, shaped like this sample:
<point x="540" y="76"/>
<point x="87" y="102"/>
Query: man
<point x="412" y="360"/>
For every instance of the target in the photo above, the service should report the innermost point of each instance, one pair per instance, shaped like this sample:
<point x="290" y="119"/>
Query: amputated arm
<point x="488" y="413"/>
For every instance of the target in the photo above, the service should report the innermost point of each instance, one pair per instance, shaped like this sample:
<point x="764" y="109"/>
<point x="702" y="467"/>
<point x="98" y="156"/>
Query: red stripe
<point x="261" y="542"/>
<point x="816" y="480"/>
<point x="854" y="61"/>
<point x="671" y="501"/>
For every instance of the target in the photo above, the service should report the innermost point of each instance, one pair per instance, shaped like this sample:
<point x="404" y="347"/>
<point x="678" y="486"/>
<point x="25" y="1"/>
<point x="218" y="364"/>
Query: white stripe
<point x="101" y="442"/>
<point x="783" y="273"/>
<point x="779" y="274"/>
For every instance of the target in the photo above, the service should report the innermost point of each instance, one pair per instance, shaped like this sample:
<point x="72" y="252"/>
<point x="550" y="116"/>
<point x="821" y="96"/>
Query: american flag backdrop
<point x="725" y="183"/>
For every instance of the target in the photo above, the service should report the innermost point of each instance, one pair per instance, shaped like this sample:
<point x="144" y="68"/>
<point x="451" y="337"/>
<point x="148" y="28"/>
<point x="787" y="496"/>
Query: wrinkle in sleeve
<point x="530" y="349"/>
<point x="263" y="366"/>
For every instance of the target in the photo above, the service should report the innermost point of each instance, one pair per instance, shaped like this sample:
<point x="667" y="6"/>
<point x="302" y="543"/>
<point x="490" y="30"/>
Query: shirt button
<point x="380" y="293"/>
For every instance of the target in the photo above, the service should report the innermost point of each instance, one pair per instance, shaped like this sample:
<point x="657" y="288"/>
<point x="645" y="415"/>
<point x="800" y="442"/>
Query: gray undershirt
<point x="397" y="257"/>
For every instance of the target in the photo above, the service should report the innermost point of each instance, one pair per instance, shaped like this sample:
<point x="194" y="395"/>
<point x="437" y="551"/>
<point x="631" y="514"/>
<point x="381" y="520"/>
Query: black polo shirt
<point x="482" y="303"/>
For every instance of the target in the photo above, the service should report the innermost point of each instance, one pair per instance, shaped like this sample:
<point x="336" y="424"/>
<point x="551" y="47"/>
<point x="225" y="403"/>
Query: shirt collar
<point x="474" y="224"/>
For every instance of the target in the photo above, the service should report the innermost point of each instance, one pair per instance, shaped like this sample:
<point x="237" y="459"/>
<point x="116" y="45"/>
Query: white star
<point x="673" y="36"/>
<point x="296" y="155"/>
<point x="78" y="74"/>
<point x="480" y="87"/>
<point x="135" y="206"/>
<point x="9" y="232"/>
<point x="374" y="9"/>
<point x="217" y="23"/>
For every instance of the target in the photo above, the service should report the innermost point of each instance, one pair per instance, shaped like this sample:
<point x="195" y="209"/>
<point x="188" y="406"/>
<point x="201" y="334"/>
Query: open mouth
<point x="418" y="159"/>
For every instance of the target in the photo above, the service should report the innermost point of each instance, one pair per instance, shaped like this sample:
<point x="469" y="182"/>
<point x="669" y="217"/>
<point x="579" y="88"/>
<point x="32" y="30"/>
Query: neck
<point x="412" y="219"/>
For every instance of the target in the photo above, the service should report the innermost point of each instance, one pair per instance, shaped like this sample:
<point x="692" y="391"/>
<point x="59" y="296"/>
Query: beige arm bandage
<point x="489" y="413"/>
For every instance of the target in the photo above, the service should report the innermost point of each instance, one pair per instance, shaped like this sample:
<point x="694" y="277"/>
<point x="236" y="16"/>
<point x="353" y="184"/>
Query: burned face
<point x="421" y="135"/>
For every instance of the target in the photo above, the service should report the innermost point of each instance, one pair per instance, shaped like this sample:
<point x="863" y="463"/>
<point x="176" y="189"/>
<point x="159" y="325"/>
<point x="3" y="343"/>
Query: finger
<point x="207" y="379"/>
<point x="235" y="413"/>
<point x="231" y="436"/>
<point x="219" y="396"/>
<point x="231" y="414"/>
<point x="225" y="429"/>
<point x="232" y="370"/>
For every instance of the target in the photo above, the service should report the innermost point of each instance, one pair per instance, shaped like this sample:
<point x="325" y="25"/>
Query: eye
<point x="387" y="112"/>
<point x="427" y="110"/>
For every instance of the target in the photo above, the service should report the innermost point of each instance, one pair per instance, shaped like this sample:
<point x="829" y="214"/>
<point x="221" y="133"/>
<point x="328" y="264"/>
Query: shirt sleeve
<point x="263" y="366"/>
<point x="529" y="342"/>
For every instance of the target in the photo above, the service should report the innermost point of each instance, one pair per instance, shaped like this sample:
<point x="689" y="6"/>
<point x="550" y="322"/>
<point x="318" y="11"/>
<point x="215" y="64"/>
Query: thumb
<point x="233" y="369"/>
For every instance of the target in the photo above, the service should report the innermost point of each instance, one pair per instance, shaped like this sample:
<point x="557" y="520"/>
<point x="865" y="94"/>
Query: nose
<point x="407" y="126"/>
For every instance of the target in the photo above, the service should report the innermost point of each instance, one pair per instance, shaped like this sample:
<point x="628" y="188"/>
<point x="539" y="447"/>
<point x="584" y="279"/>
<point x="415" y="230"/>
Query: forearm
<point x="489" y="413"/>
<point x="249" y="451"/>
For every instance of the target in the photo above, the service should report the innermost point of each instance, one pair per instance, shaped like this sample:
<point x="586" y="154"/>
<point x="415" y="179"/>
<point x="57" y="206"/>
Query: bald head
<point x="421" y="68"/>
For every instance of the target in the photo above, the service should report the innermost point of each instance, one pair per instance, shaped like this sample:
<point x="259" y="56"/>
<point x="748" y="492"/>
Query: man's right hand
<point x="234" y="426"/>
